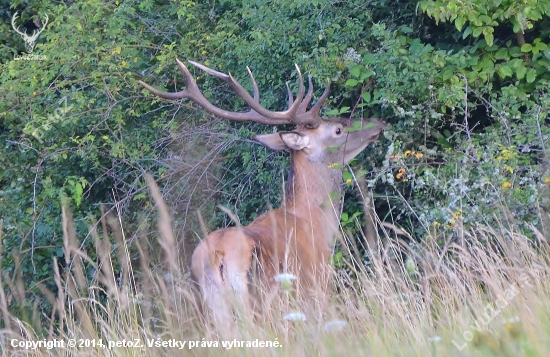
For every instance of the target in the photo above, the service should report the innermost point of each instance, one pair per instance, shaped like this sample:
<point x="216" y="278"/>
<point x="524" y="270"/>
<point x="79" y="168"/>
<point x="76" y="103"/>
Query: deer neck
<point x="314" y="193"/>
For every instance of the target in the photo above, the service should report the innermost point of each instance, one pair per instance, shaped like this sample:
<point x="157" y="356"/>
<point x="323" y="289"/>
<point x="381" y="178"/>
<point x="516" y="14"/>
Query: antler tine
<point x="224" y="77"/>
<point x="290" y="96"/>
<point x="16" y="28"/>
<point x="317" y="107"/>
<point x="311" y="118"/>
<point x="45" y="22"/>
<point x="298" y="103"/>
<point x="287" y="115"/>
<point x="189" y="83"/>
<point x="300" y="91"/>
<point x="303" y="106"/>
<point x="300" y="94"/>
<point x="254" y="86"/>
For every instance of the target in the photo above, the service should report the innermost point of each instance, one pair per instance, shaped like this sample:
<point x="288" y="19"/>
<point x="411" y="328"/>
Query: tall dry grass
<point x="486" y="294"/>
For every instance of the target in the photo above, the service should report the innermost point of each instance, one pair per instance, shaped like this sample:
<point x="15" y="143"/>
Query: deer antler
<point x="43" y="24"/>
<point x="16" y="28"/>
<point x="296" y="113"/>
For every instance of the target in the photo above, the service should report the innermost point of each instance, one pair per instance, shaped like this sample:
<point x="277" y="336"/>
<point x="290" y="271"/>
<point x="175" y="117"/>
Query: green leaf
<point x="526" y="48"/>
<point x="515" y="51"/>
<point x="477" y="31"/>
<point x="489" y="38"/>
<point x="516" y="63"/>
<point x="502" y="54"/>
<point x="531" y="75"/>
<point x="447" y="74"/>
<point x="467" y="31"/>
<point x="351" y="83"/>
<point x="369" y="58"/>
<point x="444" y="143"/>
<point x="520" y="72"/>
<point x="459" y="23"/>
<point x="505" y="71"/>
<point x="485" y="19"/>
<point x="355" y="71"/>
<point x="369" y="125"/>
<point x="347" y="176"/>
<point x="365" y="75"/>
<point x="367" y="97"/>
<point x="540" y="45"/>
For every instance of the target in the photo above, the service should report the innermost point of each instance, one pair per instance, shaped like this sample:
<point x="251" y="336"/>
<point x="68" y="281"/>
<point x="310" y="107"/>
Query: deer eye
<point x="338" y="131"/>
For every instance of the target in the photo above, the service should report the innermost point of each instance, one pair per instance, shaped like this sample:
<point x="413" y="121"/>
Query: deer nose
<point x="379" y="122"/>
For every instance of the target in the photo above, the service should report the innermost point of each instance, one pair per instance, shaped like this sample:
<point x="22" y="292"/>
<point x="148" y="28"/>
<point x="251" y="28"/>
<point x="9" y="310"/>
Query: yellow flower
<point x="401" y="173"/>
<point x="506" y="185"/>
<point x="509" y="168"/>
<point x="419" y="155"/>
<point x="547" y="180"/>
<point x="406" y="153"/>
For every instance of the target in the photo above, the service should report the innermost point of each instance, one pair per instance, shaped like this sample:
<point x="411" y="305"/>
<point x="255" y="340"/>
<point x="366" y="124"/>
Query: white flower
<point x="295" y="316"/>
<point x="335" y="325"/>
<point x="513" y="320"/>
<point x="352" y="55"/>
<point x="285" y="277"/>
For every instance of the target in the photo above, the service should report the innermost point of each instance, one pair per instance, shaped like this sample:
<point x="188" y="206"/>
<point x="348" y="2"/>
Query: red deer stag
<point x="299" y="236"/>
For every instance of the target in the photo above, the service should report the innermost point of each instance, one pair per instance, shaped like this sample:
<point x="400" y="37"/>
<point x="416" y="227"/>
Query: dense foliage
<point x="463" y="85"/>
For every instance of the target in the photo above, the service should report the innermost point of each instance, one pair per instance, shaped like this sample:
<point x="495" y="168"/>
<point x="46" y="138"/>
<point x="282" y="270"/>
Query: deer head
<point x="313" y="135"/>
<point x="29" y="40"/>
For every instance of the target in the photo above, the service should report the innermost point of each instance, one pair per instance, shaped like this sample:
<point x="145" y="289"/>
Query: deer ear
<point x="283" y="140"/>
<point x="294" y="140"/>
<point x="272" y="141"/>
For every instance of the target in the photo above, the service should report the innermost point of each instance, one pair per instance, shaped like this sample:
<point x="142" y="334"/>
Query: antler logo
<point x="29" y="40"/>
